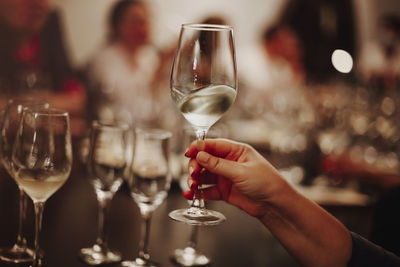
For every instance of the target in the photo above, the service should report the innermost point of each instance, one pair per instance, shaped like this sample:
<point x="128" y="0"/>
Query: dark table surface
<point x="70" y="223"/>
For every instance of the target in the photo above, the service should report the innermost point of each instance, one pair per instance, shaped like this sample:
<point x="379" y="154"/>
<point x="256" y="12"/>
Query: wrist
<point x="279" y="194"/>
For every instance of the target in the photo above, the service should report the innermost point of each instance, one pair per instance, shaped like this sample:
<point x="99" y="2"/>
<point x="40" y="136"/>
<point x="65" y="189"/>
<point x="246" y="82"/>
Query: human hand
<point x="242" y="177"/>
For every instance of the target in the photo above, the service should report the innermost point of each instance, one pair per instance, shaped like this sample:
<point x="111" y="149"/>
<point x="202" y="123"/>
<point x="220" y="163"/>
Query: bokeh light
<point x="342" y="61"/>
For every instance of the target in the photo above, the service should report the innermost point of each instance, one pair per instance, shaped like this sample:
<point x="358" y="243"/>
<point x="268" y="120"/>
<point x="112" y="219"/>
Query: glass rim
<point x="154" y="132"/>
<point x="46" y="111"/>
<point x="112" y="126"/>
<point x="26" y="101"/>
<point x="207" y="27"/>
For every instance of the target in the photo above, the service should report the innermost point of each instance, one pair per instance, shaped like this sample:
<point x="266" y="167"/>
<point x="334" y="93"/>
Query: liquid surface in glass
<point x="205" y="106"/>
<point x="150" y="184"/>
<point x="106" y="177"/>
<point x="39" y="184"/>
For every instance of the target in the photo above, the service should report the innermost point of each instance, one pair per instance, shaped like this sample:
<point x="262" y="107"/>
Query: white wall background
<point x="85" y="20"/>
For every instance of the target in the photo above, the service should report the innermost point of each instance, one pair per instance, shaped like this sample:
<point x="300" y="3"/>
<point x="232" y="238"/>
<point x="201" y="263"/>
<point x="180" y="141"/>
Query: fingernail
<point x="186" y="152"/>
<point x="202" y="157"/>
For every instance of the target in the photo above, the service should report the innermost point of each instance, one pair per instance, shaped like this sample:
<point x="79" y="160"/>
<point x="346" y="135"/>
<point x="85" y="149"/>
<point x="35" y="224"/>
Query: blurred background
<point x="318" y="95"/>
<point x="85" y="22"/>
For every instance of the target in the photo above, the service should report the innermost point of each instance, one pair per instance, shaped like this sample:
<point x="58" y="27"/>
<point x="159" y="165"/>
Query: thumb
<point x="228" y="168"/>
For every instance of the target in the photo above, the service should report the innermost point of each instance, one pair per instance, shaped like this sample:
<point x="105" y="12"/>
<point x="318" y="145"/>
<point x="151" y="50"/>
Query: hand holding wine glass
<point x="107" y="164"/>
<point x="150" y="183"/>
<point x="42" y="159"/>
<point x="203" y="87"/>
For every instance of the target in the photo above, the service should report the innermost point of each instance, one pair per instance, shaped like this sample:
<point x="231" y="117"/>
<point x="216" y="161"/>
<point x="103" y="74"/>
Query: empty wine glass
<point x="107" y="163"/>
<point x="19" y="252"/>
<point x="150" y="183"/>
<point x="203" y="87"/>
<point x="42" y="159"/>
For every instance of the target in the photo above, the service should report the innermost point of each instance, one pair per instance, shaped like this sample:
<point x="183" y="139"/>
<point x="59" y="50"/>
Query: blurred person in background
<point x="298" y="46"/>
<point x="282" y="44"/>
<point x="275" y="62"/>
<point x="33" y="58"/>
<point x="124" y="74"/>
<point x="321" y="27"/>
<point x="385" y="229"/>
<point x="372" y="117"/>
<point x="379" y="62"/>
<point x="381" y="74"/>
<point x="273" y="96"/>
<point x="295" y="50"/>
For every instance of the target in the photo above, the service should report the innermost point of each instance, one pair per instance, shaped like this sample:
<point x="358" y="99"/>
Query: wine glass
<point x="42" y="159"/>
<point x="203" y="87"/>
<point x="189" y="255"/>
<point x="150" y="183"/>
<point x="107" y="164"/>
<point x="19" y="252"/>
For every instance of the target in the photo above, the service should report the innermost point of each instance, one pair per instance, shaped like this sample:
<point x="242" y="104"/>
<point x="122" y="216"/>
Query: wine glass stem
<point x="39" y="206"/>
<point x="21" y="242"/>
<point x="201" y="134"/>
<point x="198" y="200"/>
<point x="193" y="236"/>
<point x="144" y="242"/>
<point x="104" y="204"/>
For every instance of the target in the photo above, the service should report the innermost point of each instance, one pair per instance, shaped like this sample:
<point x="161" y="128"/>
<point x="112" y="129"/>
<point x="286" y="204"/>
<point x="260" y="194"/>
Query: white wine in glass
<point x="19" y="252"/>
<point x="203" y="107"/>
<point x="42" y="159"/>
<point x="203" y="87"/>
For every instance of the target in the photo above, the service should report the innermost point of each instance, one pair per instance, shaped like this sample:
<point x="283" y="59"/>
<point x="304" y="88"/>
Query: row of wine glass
<point x="36" y="151"/>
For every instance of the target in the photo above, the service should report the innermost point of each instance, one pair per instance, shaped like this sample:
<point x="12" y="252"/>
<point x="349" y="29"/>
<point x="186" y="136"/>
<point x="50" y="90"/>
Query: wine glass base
<point x="139" y="262"/>
<point x="97" y="255"/>
<point x="16" y="254"/>
<point x="197" y="216"/>
<point x="189" y="257"/>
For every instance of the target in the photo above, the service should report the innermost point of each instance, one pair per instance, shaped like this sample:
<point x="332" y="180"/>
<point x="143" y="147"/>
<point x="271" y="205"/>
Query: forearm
<point x="308" y="232"/>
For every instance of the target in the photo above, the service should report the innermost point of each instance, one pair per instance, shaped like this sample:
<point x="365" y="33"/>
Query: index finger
<point x="217" y="147"/>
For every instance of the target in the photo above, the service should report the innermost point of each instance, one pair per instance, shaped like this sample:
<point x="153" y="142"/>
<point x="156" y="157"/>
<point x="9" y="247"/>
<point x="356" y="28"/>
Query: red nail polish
<point x="188" y="194"/>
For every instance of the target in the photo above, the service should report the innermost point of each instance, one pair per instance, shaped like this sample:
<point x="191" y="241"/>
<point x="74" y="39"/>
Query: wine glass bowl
<point x="203" y="78"/>
<point x="42" y="155"/>
<point x="9" y="125"/>
<point x="107" y="164"/>
<point x="203" y="87"/>
<point x="42" y="159"/>
<point x="149" y="184"/>
<point x="107" y="158"/>
<point x="150" y="167"/>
